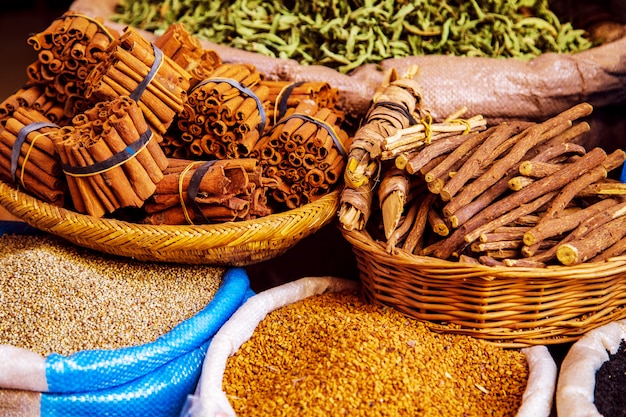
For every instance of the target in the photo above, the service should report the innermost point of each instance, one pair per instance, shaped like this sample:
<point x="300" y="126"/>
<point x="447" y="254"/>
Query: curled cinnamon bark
<point x="107" y="159"/>
<point x="67" y="50"/>
<point x="187" y="51"/>
<point x="134" y="67"/>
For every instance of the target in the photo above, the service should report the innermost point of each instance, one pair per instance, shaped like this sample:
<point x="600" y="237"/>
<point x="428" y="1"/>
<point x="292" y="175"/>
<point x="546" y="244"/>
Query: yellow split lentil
<point x="56" y="297"/>
<point x="335" y="354"/>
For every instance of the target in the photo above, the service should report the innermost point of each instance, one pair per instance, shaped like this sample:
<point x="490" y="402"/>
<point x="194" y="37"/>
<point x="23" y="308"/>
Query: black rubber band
<point x="138" y="91"/>
<point x="321" y="124"/>
<point x="194" y="186"/>
<point x="244" y="90"/>
<point x="282" y="105"/>
<point x="111" y="162"/>
<point x="19" y="141"/>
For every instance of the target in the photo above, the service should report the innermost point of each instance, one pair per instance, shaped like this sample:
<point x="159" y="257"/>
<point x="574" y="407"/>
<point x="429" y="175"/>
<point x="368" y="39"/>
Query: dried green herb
<point x="344" y="34"/>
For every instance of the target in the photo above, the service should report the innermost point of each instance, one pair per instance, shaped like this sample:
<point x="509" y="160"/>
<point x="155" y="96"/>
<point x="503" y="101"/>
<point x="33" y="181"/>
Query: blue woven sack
<point x="151" y="379"/>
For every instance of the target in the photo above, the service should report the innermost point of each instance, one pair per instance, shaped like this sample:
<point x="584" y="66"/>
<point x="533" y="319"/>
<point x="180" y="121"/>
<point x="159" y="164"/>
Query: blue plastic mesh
<point x="159" y="393"/>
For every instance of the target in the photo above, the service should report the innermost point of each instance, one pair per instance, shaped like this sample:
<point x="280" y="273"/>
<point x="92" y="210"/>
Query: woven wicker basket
<point x="227" y="244"/>
<point x="508" y="306"/>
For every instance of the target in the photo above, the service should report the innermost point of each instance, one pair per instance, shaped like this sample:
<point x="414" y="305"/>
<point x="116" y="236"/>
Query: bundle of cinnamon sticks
<point x="305" y="153"/>
<point x="136" y="68"/>
<point x="111" y="157"/>
<point x="223" y="117"/>
<point x="515" y="194"/>
<point x="67" y="51"/>
<point x="284" y="95"/>
<point x="187" y="51"/>
<point x="28" y="157"/>
<point x="201" y="192"/>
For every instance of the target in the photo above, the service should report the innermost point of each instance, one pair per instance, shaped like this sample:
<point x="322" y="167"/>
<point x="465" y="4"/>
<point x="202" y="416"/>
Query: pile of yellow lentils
<point x="334" y="354"/>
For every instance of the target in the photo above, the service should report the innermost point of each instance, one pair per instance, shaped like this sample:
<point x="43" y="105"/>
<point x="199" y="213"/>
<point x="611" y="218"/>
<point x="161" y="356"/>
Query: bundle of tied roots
<point x="164" y="132"/>
<point x="511" y="194"/>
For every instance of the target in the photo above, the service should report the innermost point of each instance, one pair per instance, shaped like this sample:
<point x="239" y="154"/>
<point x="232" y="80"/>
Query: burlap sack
<point x="499" y="89"/>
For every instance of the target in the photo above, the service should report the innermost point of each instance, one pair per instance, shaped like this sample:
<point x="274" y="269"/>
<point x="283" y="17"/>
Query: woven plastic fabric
<point x="159" y="393"/>
<point x="577" y="375"/>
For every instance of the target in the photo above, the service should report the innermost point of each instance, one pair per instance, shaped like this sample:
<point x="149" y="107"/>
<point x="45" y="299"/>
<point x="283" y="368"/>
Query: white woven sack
<point x="577" y="378"/>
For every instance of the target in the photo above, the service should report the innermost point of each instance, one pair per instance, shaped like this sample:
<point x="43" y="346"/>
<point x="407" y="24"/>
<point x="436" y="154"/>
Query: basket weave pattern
<point x="508" y="306"/>
<point x="227" y="244"/>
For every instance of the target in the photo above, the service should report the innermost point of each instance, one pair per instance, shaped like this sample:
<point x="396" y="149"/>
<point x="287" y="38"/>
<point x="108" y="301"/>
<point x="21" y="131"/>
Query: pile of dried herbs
<point x="344" y="34"/>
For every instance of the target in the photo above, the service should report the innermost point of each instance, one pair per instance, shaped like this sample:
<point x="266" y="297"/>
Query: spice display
<point x="224" y="115"/>
<point x="519" y="195"/>
<point x="346" y="35"/>
<point x="149" y="104"/>
<point x="304" y="152"/>
<point x="33" y="97"/>
<point x="284" y="95"/>
<point x="63" y="299"/>
<point x="398" y="127"/>
<point x="187" y="51"/>
<point x="335" y="354"/>
<point x="134" y="67"/>
<point x="591" y="375"/>
<point x="610" y="380"/>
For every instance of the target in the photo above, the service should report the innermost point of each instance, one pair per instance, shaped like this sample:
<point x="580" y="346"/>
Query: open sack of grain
<point x="590" y="381"/>
<point x="485" y="79"/>
<point x="84" y="334"/>
<point x="312" y="346"/>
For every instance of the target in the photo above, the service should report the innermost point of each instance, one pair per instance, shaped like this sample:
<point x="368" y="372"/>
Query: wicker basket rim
<point x="363" y="240"/>
<point x="13" y="195"/>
